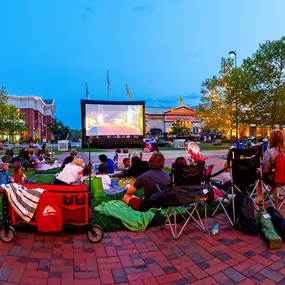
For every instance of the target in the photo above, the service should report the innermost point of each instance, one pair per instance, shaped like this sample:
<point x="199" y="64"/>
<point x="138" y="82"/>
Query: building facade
<point x="38" y="113"/>
<point x="163" y="118"/>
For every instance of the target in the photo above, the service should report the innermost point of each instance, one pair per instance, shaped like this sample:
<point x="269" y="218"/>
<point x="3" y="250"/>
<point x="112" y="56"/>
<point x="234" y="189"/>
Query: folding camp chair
<point x="188" y="175"/>
<point x="246" y="172"/>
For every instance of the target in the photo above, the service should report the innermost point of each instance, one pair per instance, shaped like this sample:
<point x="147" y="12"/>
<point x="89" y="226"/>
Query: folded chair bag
<point x="278" y="221"/>
<point x="268" y="230"/>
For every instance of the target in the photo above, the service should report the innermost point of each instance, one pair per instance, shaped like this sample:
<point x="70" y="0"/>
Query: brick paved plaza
<point x="152" y="257"/>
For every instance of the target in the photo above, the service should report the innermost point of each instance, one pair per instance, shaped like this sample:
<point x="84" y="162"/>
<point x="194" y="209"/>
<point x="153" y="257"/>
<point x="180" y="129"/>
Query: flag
<point x="87" y="92"/>
<point x="128" y="92"/>
<point x="108" y="85"/>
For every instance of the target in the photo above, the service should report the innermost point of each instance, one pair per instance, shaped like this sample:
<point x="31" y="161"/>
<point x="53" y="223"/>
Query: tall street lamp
<point x="234" y="55"/>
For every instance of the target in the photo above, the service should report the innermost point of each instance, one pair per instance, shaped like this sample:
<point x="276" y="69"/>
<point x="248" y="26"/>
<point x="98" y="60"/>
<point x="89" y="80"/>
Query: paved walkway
<point x="152" y="257"/>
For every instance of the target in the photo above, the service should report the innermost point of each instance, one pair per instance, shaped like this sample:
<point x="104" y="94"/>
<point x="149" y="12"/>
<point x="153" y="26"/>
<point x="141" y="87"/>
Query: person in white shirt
<point x="71" y="174"/>
<point x="106" y="180"/>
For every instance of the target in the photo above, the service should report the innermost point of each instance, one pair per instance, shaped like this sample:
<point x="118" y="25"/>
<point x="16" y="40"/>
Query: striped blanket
<point x="23" y="201"/>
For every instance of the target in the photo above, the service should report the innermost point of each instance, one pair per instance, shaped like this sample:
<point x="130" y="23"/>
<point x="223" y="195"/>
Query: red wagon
<point x="59" y="205"/>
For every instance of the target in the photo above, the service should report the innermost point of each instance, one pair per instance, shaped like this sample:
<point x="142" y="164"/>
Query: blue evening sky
<point x="163" y="48"/>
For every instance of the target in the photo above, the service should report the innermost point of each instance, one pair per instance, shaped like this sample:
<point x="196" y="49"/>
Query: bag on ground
<point x="97" y="189"/>
<point x="246" y="220"/>
<point x="278" y="221"/>
<point x="268" y="230"/>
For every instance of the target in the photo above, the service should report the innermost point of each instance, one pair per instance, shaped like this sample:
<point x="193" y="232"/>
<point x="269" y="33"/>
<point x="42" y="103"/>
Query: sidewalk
<point x="152" y="257"/>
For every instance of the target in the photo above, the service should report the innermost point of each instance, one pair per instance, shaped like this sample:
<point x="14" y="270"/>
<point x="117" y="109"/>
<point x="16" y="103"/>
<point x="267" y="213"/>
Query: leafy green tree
<point x="264" y="84"/>
<point x="58" y="129"/>
<point x="11" y="120"/>
<point x="179" y="128"/>
<point x="217" y="106"/>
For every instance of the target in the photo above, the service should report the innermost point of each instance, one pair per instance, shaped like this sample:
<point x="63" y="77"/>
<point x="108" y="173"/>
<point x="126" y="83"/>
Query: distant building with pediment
<point x="163" y="118"/>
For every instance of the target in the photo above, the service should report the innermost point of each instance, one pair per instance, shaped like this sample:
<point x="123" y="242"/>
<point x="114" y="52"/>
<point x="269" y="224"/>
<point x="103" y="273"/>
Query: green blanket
<point x="133" y="220"/>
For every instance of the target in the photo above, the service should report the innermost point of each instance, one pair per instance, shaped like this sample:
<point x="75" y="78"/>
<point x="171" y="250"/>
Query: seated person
<point x="137" y="168"/>
<point x="18" y="175"/>
<point x="71" y="174"/>
<point x="127" y="163"/>
<point x="150" y="181"/>
<point x="179" y="162"/>
<point x="125" y="150"/>
<point x="106" y="180"/>
<point x="88" y="170"/>
<point x="39" y="155"/>
<point x="69" y="159"/>
<point x="35" y="161"/>
<point x="276" y="147"/>
<point x="110" y="164"/>
<point x="4" y="174"/>
<point x="44" y="151"/>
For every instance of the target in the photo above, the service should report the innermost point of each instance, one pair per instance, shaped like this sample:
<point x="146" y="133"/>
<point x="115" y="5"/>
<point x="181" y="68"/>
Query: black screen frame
<point x="105" y="141"/>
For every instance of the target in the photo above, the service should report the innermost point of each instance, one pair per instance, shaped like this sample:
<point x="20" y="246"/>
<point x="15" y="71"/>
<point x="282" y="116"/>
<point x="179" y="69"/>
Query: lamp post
<point x="234" y="54"/>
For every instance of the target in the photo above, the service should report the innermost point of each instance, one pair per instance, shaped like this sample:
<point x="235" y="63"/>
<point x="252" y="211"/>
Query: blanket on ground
<point x="23" y="201"/>
<point x="133" y="220"/>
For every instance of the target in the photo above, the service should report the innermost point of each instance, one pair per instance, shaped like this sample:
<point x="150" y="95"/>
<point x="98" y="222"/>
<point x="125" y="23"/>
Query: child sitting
<point x="127" y="163"/>
<point x="110" y="164"/>
<point x="19" y="176"/>
<point x="4" y="174"/>
<point x="106" y="180"/>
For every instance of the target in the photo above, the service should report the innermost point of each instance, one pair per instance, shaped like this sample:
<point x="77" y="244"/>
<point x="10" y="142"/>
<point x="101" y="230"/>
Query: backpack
<point x="246" y="220"/>
<point x="97" y="189"/>
<point x="280" y="169"/>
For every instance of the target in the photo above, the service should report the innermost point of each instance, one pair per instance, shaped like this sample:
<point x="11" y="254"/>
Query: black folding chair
<point x="246" y="174"/>
<point x="192" y="178"/>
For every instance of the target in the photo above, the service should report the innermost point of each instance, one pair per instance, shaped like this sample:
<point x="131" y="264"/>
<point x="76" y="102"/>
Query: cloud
<point x="140" y="8"/>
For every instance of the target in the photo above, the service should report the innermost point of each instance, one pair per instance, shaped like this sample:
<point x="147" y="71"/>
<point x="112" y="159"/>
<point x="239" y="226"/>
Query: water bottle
<point x="215" y="229"/>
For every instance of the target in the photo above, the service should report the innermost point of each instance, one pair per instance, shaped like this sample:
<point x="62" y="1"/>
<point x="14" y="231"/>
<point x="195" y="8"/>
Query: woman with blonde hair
<point x="71" y="174"/>
<point x="276" y="147"/>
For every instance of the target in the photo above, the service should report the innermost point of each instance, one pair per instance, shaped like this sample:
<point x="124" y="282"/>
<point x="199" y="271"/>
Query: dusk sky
<point x="163" y="49"/>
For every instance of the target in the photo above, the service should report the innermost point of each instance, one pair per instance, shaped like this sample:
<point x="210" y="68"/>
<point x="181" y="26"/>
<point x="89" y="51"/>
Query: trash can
<point x="180" y="143"/>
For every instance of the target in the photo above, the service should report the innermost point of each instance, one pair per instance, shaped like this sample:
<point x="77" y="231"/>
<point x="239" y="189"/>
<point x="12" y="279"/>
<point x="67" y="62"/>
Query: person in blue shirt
<point x="110" y="164"/>
<point x="4" y="174"/>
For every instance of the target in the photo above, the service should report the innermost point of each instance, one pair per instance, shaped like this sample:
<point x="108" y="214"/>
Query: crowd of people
<point x="148" y="175"/>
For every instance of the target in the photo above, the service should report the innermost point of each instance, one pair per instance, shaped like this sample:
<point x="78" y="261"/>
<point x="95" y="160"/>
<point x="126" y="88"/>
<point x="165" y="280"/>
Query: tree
<point x="217" y="106"/>
<point x="179" y="128"/>
<point x="58" y="129"/>
<point x="264" y="91"/>
<point x="11" y="120"/>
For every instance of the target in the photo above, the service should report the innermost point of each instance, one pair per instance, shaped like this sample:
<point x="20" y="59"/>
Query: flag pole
<point x="87" y="92"/>
<point x="108" y="85"/>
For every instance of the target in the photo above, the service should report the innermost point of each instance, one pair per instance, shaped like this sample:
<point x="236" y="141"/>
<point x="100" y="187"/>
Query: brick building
<point x="163" y="118"/>
<point x="38" y="113"/>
